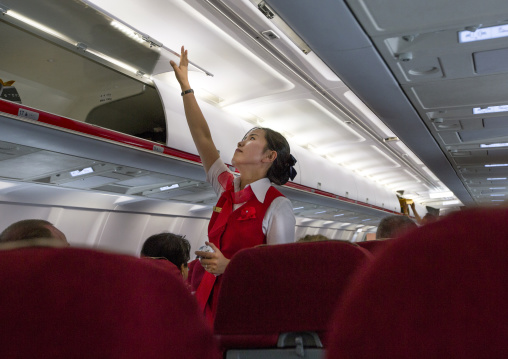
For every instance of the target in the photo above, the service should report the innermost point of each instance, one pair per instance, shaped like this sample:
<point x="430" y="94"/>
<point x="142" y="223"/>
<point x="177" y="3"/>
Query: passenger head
<point x="394" y="226"/>
<point x="32" y="229"/>
<point x="173" y="247"/>
<point x="281" y="169"/>
<point x="313" y="238"/>
<point x="429" y="218"/>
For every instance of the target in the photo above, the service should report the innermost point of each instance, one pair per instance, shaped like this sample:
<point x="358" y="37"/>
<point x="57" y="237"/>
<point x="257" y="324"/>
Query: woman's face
<point x="251" y="150"/>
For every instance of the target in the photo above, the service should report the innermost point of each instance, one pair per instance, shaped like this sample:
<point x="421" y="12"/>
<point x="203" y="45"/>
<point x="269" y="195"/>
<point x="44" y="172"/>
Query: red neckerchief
<point x="232" y="197"/>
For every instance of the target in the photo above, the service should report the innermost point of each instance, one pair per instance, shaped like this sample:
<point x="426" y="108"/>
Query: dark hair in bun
<point x="281" y="169"/>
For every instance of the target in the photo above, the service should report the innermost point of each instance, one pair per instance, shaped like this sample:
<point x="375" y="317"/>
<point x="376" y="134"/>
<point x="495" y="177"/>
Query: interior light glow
<point x="497" y="195"/>
<point x="490" y="109"/>
<point x="294" y="209"/>
<point x="338" y="215"/>
<point x="39" y="26"/>
<point x="497" y="165"/>
<point x="365" y="220"/>
<point x="441" y="194"/>
<point x="493" y="145"/>
<point x="84" y="171"/>
<point x="496" y="179"/>
<point x="497" y="188"/>
<point x="166" y="188"/>
<point x="320" y="212"/>
<point x="455" y="201"/>
<point x="114" y="61"/>
<point x="486" y="33"/>
<point x="127" y="31"/>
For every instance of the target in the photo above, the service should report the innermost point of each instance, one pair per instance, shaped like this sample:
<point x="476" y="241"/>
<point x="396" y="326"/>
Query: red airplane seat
<point x="268" y="291"/>
<point x="438" y="292"/>
<point x="375" y="245"/>
<point x="80" y="303"/>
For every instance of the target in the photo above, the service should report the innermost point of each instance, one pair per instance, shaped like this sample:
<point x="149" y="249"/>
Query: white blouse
<point x="279" y="222"/>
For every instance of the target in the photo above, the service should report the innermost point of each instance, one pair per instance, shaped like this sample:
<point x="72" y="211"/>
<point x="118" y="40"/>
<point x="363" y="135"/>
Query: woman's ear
<point x="271" y="156"/>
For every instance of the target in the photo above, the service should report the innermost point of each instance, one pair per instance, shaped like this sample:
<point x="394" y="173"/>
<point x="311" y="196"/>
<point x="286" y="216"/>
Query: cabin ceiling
<point x="405" y="61"/>
<point x="346" y="100"/>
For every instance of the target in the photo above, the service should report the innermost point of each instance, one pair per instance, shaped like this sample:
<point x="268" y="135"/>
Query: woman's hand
<point x="181" y="71"/>
<point x="214" y="263"/>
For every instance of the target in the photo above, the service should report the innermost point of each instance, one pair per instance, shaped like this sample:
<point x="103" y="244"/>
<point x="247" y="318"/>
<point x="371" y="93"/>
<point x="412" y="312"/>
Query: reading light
<point x="497" y="165"/>
<point x="166" y="188"/>
<point x="84" y="171"/>
<point x="493" y="145"/>
<point x="490" y="109"/>
<point x="487" y="33"/>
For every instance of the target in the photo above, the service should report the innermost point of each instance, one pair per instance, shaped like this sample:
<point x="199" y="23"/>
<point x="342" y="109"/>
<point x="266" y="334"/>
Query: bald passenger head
<point x="32" y="229"/>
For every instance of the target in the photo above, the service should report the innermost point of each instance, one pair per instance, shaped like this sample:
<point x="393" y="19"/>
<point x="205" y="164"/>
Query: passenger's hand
<point x="214" y="263"/>
<point x="181" y="71"/>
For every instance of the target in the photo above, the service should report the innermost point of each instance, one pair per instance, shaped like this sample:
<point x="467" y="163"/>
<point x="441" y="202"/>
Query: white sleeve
<point x="280" y="222"/>
<point x="212" y="176"/>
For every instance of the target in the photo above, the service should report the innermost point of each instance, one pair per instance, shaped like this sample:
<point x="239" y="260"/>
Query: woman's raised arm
<point x="197" y="123"/>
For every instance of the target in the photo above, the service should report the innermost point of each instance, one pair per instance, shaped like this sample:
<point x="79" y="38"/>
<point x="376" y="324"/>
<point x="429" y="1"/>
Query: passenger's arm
<point x="417" y="216"/>
<point x="197" y="123"/>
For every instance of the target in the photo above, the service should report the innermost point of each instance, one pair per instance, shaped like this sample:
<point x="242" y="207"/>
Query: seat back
<point x="437" y="292"/>
<point x="270" y="290"/>
<point x="78" y="303"/>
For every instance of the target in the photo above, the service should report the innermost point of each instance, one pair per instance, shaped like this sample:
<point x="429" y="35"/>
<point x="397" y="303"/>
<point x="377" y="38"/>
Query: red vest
<point x="243" y="229"/>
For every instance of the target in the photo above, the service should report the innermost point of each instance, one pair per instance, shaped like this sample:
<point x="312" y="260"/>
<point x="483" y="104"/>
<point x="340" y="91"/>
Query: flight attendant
<point x="250" y="211"/>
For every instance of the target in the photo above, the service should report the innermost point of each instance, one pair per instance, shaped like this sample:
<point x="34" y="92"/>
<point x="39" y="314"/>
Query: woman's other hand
<point x="213" y="262"/>
<point x="181" y="71"/>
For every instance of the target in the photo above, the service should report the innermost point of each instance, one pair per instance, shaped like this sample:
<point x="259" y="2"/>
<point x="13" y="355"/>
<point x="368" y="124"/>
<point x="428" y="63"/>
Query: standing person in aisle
<point x="250" y="211"/>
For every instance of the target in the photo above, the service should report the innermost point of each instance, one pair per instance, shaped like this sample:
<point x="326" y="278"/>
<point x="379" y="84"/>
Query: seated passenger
<point x="173" y="247"/>
<point x="313" y="238"/>
<point x="394" y="226"/>
<point x="33" y="230"/>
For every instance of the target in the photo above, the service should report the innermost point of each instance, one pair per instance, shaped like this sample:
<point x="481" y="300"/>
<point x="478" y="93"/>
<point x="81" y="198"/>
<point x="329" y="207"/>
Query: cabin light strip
<point x="483" y="145"/>
<point x="68" y="40"/>
<point x="487" y="33"/>
<point x="39" y="26"/>
<point x="497" y="165"/>
<point x="490" y="109"/>
<point x="167" y="188"/>
<point x="496" y="178"/>
<point x="84" y="171"/>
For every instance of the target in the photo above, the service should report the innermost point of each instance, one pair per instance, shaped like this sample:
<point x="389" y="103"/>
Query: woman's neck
<point x="248" y="179"/>
<point x="250" y="174"/>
